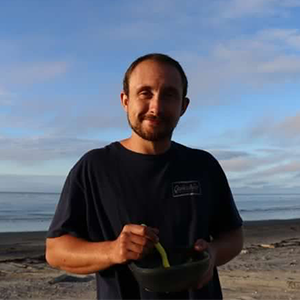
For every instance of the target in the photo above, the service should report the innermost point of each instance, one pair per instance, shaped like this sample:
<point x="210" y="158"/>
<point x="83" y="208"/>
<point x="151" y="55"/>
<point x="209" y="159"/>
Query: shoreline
<point x="31" y="243"/>
<point x="267" y="268"/>
<point x="247" y="223"/>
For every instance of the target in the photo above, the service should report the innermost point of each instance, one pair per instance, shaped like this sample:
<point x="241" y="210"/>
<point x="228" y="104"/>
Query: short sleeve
<point x="225" y="215"/>
<point x="70" y="214"/>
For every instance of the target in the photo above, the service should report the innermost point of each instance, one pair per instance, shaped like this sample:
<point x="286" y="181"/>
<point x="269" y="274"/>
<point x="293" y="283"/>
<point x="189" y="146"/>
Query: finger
<point x="131" y="255"/>
<point x="129" y="242"/>
<point x="140" y="240"/>
<point x="140" y="250"/>
<point x="200" y="245"/>
<point x="152" y="234"/>
<point x="136" y="248"/>
<point x="142" y="231"/>
<point x="155" y="230"/>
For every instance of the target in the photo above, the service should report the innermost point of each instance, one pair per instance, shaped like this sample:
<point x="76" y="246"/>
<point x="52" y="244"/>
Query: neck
<point x="136" y="144"/>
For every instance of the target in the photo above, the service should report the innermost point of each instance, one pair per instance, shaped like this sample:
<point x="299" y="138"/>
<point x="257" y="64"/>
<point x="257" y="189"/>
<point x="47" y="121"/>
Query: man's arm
<point x="76" y="255"/>
<point x="227" y="246"/>
<point x="79" y="256"/>
<point x="222" y="249"/>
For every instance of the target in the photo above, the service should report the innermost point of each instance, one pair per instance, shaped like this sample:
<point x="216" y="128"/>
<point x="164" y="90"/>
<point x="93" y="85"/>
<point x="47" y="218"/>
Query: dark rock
<point x="70" y="278"/>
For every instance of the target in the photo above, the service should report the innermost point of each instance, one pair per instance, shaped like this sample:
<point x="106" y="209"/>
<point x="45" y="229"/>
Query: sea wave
<point x="270" y="209"/>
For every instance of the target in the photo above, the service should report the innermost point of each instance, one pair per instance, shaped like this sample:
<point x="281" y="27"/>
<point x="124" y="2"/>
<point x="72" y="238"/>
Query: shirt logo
<point x="186" y="188"/>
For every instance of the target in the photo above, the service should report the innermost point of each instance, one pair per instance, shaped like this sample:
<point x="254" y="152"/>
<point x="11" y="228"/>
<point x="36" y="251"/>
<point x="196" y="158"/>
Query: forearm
<point x="227" y="246"/>
<point x="78" y="256"/>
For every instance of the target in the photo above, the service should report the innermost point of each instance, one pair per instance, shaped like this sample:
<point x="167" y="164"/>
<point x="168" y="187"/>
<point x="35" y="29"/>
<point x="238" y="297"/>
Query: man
<point x="181" y="194"/>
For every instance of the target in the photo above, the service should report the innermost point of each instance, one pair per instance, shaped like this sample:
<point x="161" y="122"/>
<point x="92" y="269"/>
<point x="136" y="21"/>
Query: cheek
<point x="134" y="111"/>
<point x="173" y="111"/>
<point x="140" y="108"/>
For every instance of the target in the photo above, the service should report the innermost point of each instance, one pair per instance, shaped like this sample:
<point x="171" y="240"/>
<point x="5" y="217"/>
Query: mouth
<point x="153" y="120"/>
<point x="154" y="123"/>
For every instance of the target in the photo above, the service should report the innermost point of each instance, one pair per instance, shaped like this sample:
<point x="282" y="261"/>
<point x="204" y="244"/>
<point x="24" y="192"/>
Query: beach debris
<point x="294" y="285"/>
<point x="293" y="263"/>
<point x="19" y="265"/>
<point x="71" y="278"/>
<point x="288" y="243"/>
<point x="292" y="242"/>
<point x="269" y="246"/>
<point x="244" y="251"/>
<point x="27" y="260"/>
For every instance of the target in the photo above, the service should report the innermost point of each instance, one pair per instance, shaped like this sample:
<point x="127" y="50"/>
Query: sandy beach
<point x="267" y="268"/>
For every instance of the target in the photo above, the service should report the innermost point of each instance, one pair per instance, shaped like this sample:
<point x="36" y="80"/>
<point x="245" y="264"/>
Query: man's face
<point x="154" y="104"/>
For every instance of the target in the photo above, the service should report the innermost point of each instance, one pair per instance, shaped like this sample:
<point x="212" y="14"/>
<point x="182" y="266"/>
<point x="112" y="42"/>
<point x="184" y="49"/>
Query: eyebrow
<point x="144" y="87"/>
<point x="171" y="89"/>
<point x="167" y="88"/>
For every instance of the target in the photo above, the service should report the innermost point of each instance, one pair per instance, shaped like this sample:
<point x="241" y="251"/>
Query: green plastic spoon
<point x="162" y="252"/>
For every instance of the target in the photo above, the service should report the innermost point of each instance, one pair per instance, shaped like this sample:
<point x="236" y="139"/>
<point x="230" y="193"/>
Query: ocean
<point x="34" y="211"/>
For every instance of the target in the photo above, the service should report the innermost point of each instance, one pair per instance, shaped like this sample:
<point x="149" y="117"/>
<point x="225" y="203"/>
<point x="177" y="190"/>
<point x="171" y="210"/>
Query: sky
<point x="61" y="71"/>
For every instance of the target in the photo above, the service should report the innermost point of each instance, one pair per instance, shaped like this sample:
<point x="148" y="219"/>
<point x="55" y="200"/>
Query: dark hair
<point x="158" y="57"/>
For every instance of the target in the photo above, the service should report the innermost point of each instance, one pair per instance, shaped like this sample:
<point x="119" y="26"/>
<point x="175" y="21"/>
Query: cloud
<point x="221" y="62"/>
<point x="283" y="174"/>
<point x="33" y="72"/>
<point x="5" y="97"/>
<point x="31" y="183"/>
<point x="262" y="168"/>
<point x="283" y="168"/>
<point x="241" y="164"/>
<point x="3" y="92"/>
<point x="227" y="155"/>
<point x="265" y="59"/>
<point x="147" y="24"/>
<point x="279" y="132"/>
<point x="266" y="189"/>
<point x="63" y="116"/>
<point x="282" y="64"/>
<point x="258" y="183"/>
<point x="258" y="8"/>
<point x="287" y="38"/>
<point x="92" y="120"/>
<point x="36" y="150"/>
<point x="134" y="31"/>
<point x="290" y="126"/>
<point x="238" y="9"/>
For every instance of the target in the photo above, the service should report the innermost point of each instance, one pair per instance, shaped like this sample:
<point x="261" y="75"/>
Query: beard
<point x="163" y="131"/>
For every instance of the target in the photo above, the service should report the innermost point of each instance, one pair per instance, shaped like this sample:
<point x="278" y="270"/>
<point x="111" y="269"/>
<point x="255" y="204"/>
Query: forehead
<point x="155" y="73"/>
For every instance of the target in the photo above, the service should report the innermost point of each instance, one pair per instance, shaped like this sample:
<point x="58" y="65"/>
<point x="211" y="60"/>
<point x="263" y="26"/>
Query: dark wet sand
<point x="267" y="268"/>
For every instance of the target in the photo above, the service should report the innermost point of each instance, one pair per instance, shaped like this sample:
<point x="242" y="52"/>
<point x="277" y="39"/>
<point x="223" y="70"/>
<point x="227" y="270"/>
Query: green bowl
<point x="187" y="268"/>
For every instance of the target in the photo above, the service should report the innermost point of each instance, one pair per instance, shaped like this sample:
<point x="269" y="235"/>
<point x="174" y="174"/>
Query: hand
<point x="200" y="246"/>
<point x="133" y="243"/>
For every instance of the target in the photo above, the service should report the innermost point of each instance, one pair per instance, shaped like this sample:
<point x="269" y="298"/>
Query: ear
<point x="124" y="100"/>
<point x="185" y="104"/>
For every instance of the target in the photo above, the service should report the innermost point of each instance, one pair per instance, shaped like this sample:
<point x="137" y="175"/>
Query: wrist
<point x="110" y="253"/>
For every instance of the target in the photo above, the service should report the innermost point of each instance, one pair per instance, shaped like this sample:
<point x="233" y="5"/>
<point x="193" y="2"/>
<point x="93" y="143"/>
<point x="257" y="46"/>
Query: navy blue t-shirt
<point x="182" y="192"/>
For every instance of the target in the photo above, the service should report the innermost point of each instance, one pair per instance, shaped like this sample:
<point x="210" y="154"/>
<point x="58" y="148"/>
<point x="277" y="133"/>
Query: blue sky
<point x="62" y="64"/>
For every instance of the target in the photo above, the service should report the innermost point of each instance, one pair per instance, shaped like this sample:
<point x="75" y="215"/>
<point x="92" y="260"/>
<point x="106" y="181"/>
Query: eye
<point x="170" y="96"/>
<point x="170" y="93"/>
<point x="145" y="94"/>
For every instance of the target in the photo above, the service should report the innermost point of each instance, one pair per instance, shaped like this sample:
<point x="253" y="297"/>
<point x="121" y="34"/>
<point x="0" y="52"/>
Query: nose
<point x="156" y="105"/>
